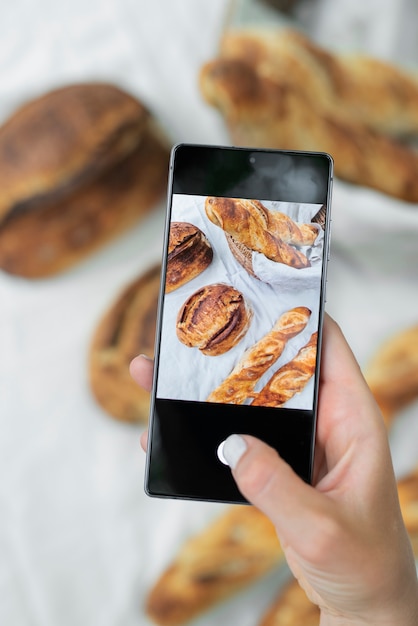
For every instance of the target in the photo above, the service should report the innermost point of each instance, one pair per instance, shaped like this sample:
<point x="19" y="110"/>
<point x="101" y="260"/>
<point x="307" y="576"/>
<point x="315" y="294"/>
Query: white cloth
<point x="80" y="544"/>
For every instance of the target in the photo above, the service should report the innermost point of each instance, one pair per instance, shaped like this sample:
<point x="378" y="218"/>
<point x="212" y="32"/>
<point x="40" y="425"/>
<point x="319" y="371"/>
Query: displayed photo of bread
<point x="248" y="222"/>
<point x="78" y="166"/>
<point x="243" y="314"/>
<point x="257" y="360"/>
<point x="234" y="550"/>
<point x="291" y="378"/>
<point x="213" y="319"/>
<point x="189" y="254"/>
<point x="125" y="330"/>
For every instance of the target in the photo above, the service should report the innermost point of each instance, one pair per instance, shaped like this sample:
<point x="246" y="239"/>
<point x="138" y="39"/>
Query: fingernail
<point x="233" y="449"/>
<point x="145" y="356"/>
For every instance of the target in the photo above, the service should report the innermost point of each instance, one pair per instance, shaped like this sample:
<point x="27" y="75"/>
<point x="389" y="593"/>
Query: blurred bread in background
<point x="78" y="165"/>
<point x="125" y="330"/>
<point x="277" y="89"/>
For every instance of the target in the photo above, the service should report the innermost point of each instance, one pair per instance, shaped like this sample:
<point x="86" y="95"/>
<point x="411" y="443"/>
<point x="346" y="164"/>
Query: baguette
<point x="291" y="378"/>
<point x="256" y="361"/>
<point x="247" y="221"/>
<point x="235" y="550"/>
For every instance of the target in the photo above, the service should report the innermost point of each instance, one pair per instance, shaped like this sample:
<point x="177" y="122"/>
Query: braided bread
<point x="248" y="222"/>
<point x="266" y="104"/>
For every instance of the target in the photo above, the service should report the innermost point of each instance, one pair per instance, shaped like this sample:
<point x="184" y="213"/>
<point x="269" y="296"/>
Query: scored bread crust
<point x="240" y="383"/>
<point x="381" y="95"/>
<point x="291" y="378"/>
<point x="251" y="224"/>
<point x="271" y="110"/>
<point x="213" y="319"/>
<point x="65" y="137"/>
<point x="125" y="330"/>
<point x="237" y="548"/>
<point x="189" y="254"/>
<point x="43" y="241"/>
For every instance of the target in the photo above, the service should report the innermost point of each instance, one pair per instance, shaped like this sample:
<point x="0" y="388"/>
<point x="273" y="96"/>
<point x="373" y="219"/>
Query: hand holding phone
<point x="240" y="314"/>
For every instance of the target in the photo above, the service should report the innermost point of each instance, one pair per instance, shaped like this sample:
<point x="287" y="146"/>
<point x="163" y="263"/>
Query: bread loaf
<point x="126" y="330"/>
<point x="236" y="549"/>
<point x="213" y="319"/>
<point x="392" y="372"/>
<point x="240" y="383"/>
<point x="189" y="254"/>
<point x="265" y="104"/>
<point x="291" y="378"/>
<point x="249" y="223"/>
<point x="77" y="166"/>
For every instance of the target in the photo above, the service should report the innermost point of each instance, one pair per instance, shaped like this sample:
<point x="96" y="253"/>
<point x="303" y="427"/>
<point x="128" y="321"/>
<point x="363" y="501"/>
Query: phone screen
<point x="240" y="314"/>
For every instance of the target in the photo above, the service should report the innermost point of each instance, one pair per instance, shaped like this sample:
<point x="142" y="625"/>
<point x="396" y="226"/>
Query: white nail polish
<point x="233" y="449"/>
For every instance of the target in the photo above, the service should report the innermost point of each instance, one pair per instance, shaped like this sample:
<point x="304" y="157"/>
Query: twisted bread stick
<point x="291" y="378"/>
<point x="256" y="361"/>
<point x="247" y="221"/>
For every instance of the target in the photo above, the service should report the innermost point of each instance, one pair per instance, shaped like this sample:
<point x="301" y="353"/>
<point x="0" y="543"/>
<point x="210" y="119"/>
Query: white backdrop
<point x="80" y="544"/>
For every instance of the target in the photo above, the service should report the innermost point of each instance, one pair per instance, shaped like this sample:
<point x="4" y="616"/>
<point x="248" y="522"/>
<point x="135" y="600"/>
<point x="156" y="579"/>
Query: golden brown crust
<point x="271" y="110"/>
<point x="251" y="224"/>
<point x="189" y="254"/>
<point x="65" y="137"/>
<point x="378" y="94"/>
<point x="291" y="378"/>
<point x="42" y="241"/>
<point x="240" y="383"/>
<point x="213" y="319"/>
<point x="126" y="330"/>
<point x="392" y="373"/>
<point x="235" y="550"/>
<point x="291" y="608"/>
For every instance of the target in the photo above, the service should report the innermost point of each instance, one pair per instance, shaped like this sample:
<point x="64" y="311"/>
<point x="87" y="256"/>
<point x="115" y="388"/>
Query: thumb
<point x="269" y="483"/>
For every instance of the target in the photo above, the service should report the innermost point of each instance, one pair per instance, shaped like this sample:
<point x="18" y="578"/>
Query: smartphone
<point x="242" y="298"/>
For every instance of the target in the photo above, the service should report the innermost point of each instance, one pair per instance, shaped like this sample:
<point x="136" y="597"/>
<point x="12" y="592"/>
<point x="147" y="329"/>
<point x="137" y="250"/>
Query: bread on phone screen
<point x="240" y="383"/>
<point x="189" y="254"/>
<point x="126" y="330"/>
<point x="78" y="166"/>
<point x="230" y="553"/>
<point x="213" y="319"/>
<point x="291" y="378"/>
<point x="249" y="223"/>
<point x="265" y="104"/>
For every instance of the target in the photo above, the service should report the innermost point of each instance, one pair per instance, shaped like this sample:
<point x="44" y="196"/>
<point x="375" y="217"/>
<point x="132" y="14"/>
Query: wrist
<point x="405" y="615"/>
